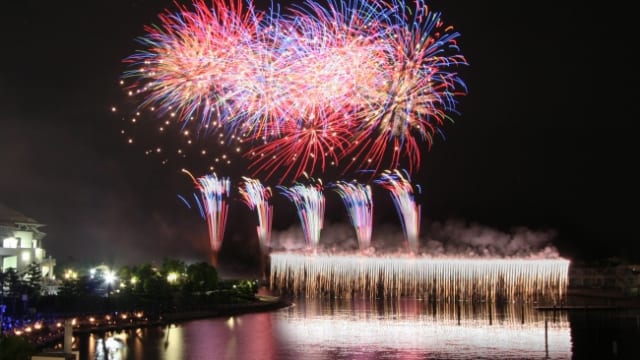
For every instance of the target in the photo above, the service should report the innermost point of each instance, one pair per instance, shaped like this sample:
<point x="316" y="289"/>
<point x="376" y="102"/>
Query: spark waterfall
<point x="471" y="279"/>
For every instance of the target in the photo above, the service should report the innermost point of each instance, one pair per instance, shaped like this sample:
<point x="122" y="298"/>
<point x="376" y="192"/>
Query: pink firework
<point x="356" y="84"/>
<point x="192" y="60"/>
<point x="308" y="147"/>
<point x="420" y="89"/>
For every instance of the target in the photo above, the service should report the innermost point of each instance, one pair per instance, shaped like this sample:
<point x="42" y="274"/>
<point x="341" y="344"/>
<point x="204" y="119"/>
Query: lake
<point x="375" y="329"/>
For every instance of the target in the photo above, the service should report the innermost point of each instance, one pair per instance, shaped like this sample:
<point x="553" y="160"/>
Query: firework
<point x="419" y="86"/>
<point x="449" y="279"/>
<point x="352" y="84"/>
<point x="357" y="200"/>
<point x="310" y="204"/>
<point x="402" y="193"/>
<point x="256" y="196"/>
<point x="190" y="66"/>
<point x="214" y="192"/>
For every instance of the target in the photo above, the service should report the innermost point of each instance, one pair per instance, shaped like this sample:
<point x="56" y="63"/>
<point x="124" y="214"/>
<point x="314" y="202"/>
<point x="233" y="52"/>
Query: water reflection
<point x="353" y="329"/>
<point x="411" y="328"/>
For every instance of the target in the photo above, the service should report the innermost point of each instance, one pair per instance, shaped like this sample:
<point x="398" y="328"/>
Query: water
<point x="393" y="329"/>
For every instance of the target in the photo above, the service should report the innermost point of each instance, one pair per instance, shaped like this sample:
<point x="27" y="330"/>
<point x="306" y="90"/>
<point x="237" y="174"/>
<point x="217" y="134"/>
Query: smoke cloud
<point x="449" y="238"/>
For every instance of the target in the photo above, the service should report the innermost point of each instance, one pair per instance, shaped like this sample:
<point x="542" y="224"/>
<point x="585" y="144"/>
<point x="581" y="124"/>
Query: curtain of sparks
<point x="357" y="199"/>
<point x="310" y="204"/>
<point x="352" y="84"/>
<point x="402" y="193"/>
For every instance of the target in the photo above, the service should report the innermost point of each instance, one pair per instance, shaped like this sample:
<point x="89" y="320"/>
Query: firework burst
<point x="354" y="84"/>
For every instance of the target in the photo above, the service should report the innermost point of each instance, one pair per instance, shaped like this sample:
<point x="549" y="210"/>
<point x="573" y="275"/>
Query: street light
<point x="109" y="278"/>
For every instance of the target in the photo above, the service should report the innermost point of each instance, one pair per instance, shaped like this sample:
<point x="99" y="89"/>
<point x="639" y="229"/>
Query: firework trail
<point x="256" y="196"/>
<point x="214" y="193"/>
<point x="402" y="193"/>
<point x="310" y="204"/>
<point x="357" y="199"/>
<point x="355" y="84"/>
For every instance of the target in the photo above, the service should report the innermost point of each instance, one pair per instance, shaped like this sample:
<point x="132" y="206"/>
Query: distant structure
<point x="21" y="245"/>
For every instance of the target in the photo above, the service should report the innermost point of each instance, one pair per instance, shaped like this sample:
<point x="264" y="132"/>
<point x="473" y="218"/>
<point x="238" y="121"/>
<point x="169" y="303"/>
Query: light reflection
<point x="414" y="326"/>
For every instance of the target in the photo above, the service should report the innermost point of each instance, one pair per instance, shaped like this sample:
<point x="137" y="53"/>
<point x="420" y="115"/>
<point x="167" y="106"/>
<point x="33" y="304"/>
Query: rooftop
<point x="9" y="216"/>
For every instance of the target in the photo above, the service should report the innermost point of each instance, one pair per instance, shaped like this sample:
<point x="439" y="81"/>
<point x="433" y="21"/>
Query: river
<point x="393" y="329"/>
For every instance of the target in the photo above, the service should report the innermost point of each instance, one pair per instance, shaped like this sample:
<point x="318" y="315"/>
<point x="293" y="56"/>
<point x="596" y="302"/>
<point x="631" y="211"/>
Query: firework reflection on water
<point x="414" y="329"/>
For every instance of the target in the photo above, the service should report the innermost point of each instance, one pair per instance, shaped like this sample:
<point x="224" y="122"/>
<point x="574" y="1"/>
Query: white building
<point x="21" y="244"/>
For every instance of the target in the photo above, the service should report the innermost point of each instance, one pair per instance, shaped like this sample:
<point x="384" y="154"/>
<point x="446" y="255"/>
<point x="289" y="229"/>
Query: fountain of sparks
<point x="447" y="279"/>
<point x="214" y="192"/>
<point x="256" y="196"/>
<point x="357" y="199"/>
<point x="402" y="192"/>
<point x="310" y="204"/>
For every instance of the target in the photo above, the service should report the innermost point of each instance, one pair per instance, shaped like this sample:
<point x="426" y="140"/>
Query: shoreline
<point x="264" y="303"/>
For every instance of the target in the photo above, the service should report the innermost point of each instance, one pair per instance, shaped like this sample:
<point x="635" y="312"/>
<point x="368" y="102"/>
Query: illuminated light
<point x="231" y="322"/>
<point x="446" y="278"/>
<point x="172" y="277"/>
<point x="113" y="109"/>
<point x="110" y="277"/>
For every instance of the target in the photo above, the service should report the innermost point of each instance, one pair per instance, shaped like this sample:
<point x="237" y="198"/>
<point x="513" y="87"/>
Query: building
<point x="21" y="244"/>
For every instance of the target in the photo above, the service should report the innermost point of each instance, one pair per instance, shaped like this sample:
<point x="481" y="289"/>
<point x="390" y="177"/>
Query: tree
<point x="201" y="277"/>
<point x="33" y="281"/>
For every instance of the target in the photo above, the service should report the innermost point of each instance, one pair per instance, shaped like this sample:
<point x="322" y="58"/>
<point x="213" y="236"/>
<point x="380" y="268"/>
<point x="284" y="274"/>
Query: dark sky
<point x="544" y="140"/>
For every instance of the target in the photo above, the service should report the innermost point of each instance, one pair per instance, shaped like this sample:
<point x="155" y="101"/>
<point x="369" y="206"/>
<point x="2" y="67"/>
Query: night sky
<point x="544" y="140"/>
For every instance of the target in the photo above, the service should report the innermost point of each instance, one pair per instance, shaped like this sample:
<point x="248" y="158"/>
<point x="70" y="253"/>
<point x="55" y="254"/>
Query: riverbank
<point x="52" y="339"/>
